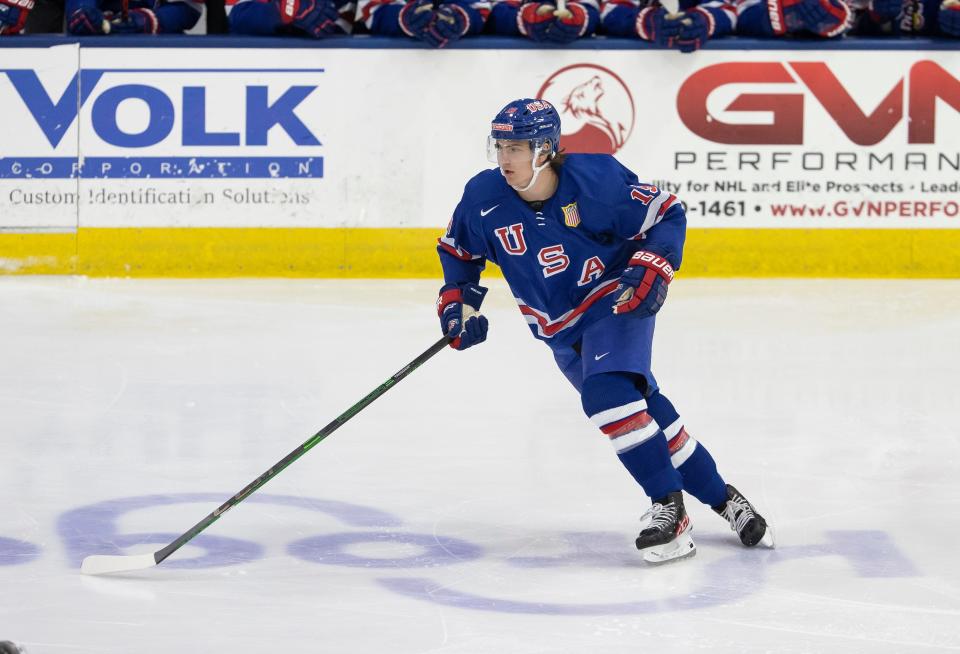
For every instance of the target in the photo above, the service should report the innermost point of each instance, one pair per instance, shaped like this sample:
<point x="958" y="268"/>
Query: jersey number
<point x="644" y="193"/>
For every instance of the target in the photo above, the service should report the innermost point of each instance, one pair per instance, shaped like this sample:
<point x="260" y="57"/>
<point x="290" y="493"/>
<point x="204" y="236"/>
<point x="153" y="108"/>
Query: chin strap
<point x="536" y="172"/>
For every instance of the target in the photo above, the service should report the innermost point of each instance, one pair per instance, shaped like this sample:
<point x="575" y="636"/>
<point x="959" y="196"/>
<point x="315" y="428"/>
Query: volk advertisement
<point x="379" y="138"/>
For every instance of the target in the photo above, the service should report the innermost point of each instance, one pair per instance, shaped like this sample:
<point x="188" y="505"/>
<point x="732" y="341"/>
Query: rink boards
<point x="338" y="162"/>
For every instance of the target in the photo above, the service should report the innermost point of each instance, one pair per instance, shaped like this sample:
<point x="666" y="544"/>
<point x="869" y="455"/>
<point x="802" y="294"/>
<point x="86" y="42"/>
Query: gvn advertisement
<point x="770" y="139"/>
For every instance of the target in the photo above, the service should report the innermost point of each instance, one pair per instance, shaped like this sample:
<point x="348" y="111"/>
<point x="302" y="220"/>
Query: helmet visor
<point x="501" y="151"/>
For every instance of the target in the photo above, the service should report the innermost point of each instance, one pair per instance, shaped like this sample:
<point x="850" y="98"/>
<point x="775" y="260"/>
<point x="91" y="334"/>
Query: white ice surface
<point x="472" y="509"/>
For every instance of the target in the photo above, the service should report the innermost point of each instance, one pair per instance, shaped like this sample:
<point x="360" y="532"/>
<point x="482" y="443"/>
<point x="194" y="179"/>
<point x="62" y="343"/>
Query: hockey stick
<point x="104" y="563"/>
<point x="561" y="10"/>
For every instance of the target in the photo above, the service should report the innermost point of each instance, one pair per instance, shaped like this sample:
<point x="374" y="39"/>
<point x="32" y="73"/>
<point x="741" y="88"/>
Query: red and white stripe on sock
<point x="627" y="425"/>
<point x="680" y="443"/>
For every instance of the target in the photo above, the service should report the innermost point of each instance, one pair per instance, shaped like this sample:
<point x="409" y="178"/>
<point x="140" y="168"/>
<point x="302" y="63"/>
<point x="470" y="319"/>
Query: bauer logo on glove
<point x="652" y="260"/>
<point x="643" y="286"/>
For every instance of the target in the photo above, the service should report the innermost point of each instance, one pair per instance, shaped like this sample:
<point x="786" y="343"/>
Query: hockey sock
<point x="644" y="463"/>
<point x="689" y="457"/>
<point x="613" y="403"/>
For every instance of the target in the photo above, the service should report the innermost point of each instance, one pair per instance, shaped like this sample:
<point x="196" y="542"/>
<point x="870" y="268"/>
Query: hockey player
<point x="588" y="252"/>
<point x="314" y="18"/>
<point x="686" y="31"/>
<point x="13" y="15"/>
<point x="95" y="17"/>
<point x="826" y="18"/>
<point x="544" y="21"/>
<point x="435" y="22"/>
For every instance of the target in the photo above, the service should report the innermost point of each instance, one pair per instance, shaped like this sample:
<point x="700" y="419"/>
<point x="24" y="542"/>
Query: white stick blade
<point x="102" y="564"/>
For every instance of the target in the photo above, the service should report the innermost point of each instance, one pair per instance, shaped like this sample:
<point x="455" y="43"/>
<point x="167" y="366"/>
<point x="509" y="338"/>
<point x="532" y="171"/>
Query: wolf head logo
<point x="583" y="103"/>
<point x="596" y="108"/>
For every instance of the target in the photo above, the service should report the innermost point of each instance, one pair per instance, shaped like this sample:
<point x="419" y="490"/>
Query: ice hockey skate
<point x="666" y="532"/>
<point x="744" y="519"/>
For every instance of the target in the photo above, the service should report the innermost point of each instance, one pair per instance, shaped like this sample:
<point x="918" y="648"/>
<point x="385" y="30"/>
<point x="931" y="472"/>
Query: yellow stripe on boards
<point x="822" y="253"/>
<point x="36" y="253"/>
<point x="259" y="252"/>
<point x="405" y="253"/>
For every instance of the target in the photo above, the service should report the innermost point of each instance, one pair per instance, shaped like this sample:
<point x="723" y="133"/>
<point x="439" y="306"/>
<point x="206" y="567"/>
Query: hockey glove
<point x="139" y="21"/>
<point x="643" y="285"/>
<point x="826" y="18"/>
<point x="570" y="25"/>
<point x="459" y="309"/>
<point x="450" y="23"/>
<point x="416" y="18"/>
<point x="87" y="21"/>
<point x="696" y="29"/>
<point x="650" y="24"/>
<point x="316" y="18"/>
<point x="535" y="19"/>
<point x="687" y="31"/>
<point x="13" y="15"/>
<point x="949" y="17"/>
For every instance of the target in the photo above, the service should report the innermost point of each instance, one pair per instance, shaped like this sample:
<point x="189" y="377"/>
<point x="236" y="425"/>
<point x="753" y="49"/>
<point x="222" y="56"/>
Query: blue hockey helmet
<point x="527" y="119"/>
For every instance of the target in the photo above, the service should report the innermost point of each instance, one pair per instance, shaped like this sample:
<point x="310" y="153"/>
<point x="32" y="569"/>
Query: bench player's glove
<point x="643" y="285"/>
<point x="436" y="27"/>
<point x="88" y="21"/>
<point x="542" y="21"/>
<point x="138" y="21"/>
<point x="450" y="23"/>
<point x="686" y="31"/>
<point x="695" y="29"/>
<point x="949" y="17"/>
<point x="459" y="309"/>
<point x="656" y="25"/>
<point x="826" y="18"/>
<point x="569" y="24"/>
<point x="13" y="15"/>
<point x="316" y="18"/>
<point x="415" y="18"/>
<point x="535" y="19"/>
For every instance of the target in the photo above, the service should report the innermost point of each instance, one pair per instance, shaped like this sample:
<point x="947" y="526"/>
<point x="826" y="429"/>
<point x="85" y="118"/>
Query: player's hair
<point x="558" y="160"/>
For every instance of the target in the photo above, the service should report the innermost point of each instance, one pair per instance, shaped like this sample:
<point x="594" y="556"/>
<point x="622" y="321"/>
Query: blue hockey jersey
<point x="562" y="260"/>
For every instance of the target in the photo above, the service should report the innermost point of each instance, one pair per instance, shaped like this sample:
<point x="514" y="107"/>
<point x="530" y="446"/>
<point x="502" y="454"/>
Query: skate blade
<point x="682" y="547"/>
<point x="651" y="559"/>
<point x="768" y="540"/>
